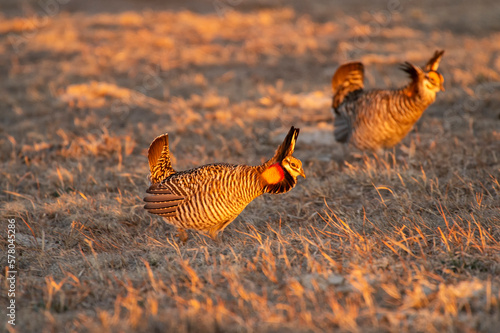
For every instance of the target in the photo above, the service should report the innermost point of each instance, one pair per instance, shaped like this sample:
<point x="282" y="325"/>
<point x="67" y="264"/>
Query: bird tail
<point x="160" y="166"/>
<point x="347" y="79"/>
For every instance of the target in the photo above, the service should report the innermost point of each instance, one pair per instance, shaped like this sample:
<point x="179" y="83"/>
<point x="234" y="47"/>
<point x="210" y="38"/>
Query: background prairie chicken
<point x="210" y="197"/>
<point x="376" y="119"/>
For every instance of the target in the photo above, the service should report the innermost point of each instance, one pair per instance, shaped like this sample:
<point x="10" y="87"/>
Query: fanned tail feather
<point x="347" y="79"/>
<point x="160" y="166"/>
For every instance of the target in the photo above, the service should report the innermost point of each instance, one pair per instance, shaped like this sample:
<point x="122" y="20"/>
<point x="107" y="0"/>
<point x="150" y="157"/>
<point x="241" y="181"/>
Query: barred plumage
<point x="376" y="119"/>
<point x="210" y="197"/>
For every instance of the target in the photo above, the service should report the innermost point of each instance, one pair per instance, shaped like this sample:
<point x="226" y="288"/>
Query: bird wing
<point x="433" y="63"/>
<point x="160" y="166"/>
<point x="348" y="78"/>
<point x="162" y="201"/>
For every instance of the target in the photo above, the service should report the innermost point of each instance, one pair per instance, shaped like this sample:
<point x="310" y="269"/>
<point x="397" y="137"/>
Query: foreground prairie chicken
<point x="377" y="119"/>
<point x="210" y="197"/>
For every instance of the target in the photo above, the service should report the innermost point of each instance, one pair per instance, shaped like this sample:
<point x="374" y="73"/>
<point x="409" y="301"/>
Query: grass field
<point x="404" y="242"/>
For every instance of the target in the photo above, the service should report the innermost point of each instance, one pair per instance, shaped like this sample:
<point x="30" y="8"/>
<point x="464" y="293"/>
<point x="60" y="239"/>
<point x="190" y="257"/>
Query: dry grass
<point x="409" y="241"/>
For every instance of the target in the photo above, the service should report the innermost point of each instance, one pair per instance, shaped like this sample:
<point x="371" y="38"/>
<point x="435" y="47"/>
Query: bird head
<point x="279" y="174"/>
<point x="427" y="81"/>
<point x="433" y="81"/>
<point x="293" y="166"/>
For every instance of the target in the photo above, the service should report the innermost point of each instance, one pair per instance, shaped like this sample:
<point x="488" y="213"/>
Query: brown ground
<point x="404" y="243"/>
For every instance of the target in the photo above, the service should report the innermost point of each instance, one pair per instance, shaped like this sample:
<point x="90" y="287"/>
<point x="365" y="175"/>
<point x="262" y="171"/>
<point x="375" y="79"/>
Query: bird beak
<point x="302" y="173"/>
<point x="442" y="87"/>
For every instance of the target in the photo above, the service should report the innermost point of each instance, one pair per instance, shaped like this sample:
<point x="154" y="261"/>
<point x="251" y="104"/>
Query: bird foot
<point x="182" y="234"/>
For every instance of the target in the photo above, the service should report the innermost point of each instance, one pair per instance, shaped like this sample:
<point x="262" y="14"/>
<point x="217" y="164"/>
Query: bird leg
<point x="182" y="234"/>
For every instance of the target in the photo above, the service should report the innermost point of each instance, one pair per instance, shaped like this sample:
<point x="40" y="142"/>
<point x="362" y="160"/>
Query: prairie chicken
<point x="376" y="119"/>
<point x="209" y="197"/>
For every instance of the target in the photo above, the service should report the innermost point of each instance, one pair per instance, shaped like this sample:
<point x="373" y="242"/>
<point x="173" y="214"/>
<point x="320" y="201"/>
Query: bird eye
<point x="293" y="165"/>
<point x="434" y="78"/>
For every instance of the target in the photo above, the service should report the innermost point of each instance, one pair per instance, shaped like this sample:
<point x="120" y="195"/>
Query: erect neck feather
<point x="273" y="174"/>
